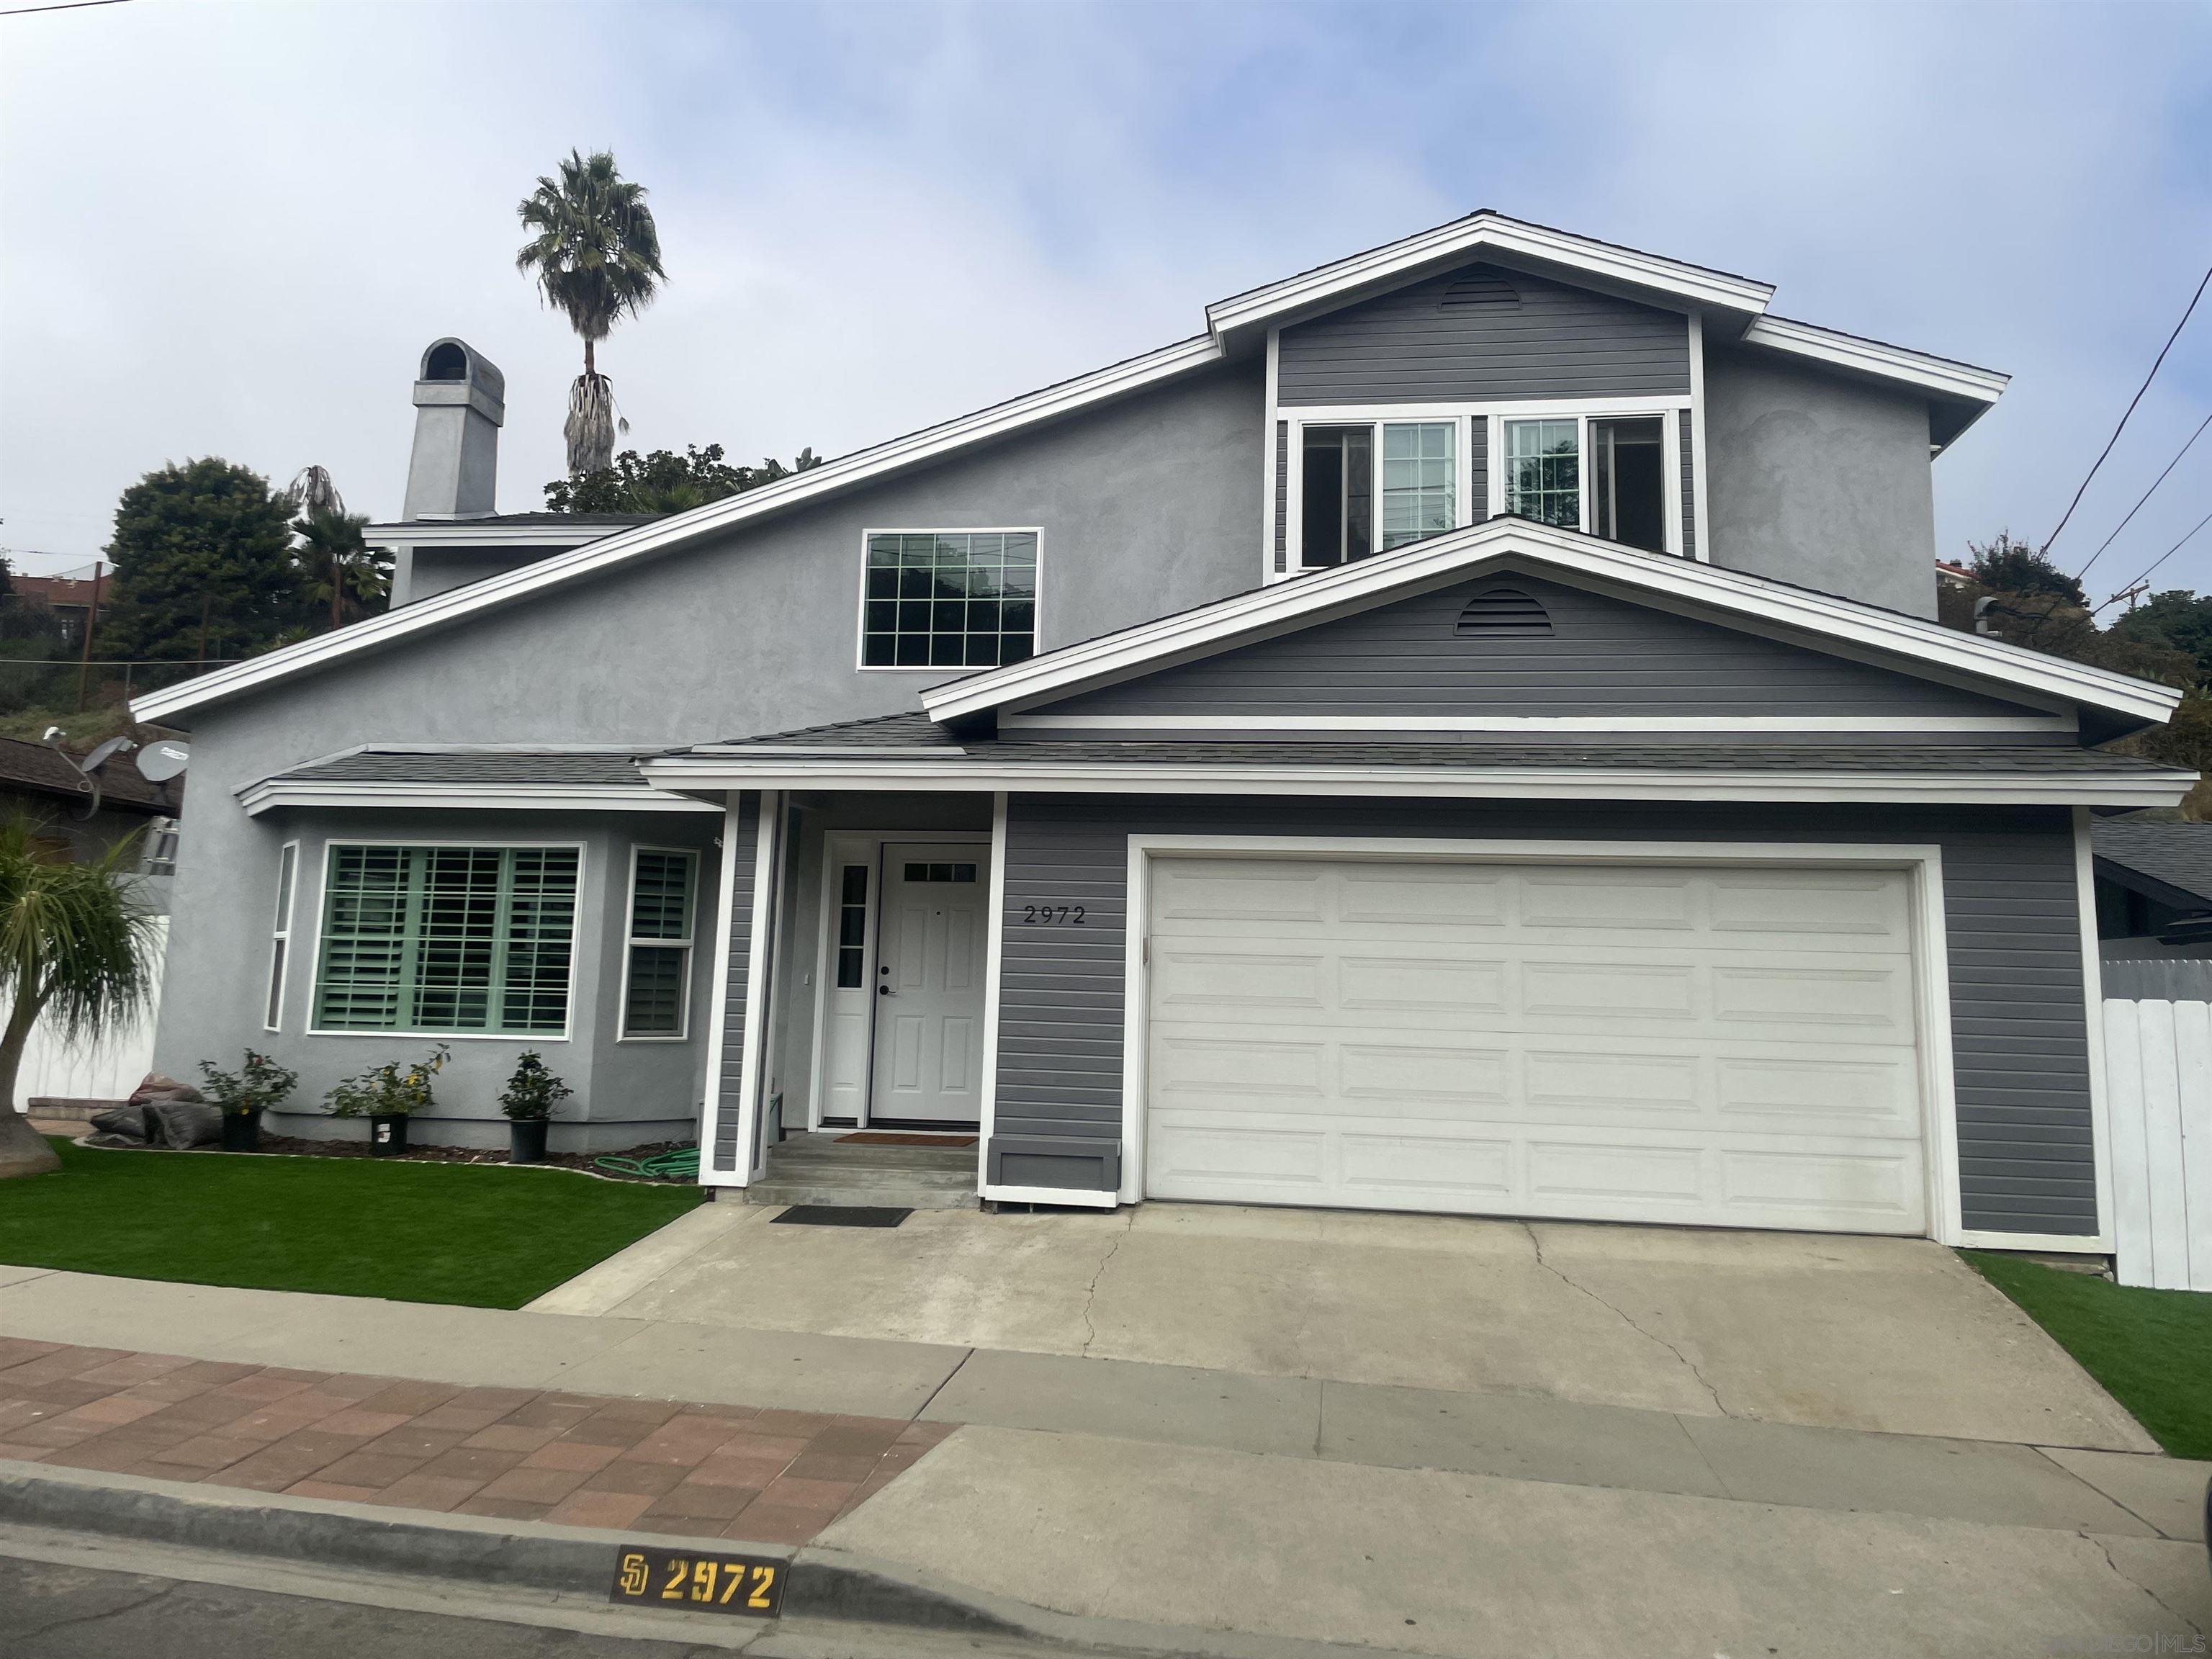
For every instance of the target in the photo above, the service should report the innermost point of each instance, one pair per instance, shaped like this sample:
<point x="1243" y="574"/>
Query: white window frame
<point x="279" y="936"/>
<point x="942" y="670"/>
<point x="631" y="943"/>
<point x="1463" y="417"/>
<point x="500" y="842"/>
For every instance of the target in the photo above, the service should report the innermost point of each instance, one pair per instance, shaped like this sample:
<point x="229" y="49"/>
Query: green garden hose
<point x="682" y="1164"/>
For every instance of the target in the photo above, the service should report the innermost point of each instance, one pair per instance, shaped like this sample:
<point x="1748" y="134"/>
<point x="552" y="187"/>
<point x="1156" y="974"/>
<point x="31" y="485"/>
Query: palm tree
<point x="339" y="566"/>
<point x="76" y="947"/>
<point x="596" y="254"/>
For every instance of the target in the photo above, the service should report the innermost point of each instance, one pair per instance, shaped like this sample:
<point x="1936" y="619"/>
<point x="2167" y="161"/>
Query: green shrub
<point x="255" y="1086"/>
<point x="533" y="1092"/>
<point x="393" y="1088"/>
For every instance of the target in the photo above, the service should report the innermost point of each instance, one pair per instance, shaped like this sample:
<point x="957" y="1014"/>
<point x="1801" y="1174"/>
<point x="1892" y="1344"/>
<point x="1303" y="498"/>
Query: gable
<point x="1508" y="647"/>
<point x="1485" y="332"/>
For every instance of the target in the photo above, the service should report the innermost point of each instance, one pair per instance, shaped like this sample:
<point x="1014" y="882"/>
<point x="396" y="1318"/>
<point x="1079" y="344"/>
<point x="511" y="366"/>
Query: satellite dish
<point x="159" y="762"/>
<point x="107" y="751"/>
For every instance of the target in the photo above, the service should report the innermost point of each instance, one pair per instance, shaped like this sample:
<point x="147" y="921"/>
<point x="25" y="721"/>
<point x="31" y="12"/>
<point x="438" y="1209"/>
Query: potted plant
<point x="528" y="1100"/>
<point x="244" y="1095"/>
<point x="388" y="1096"/>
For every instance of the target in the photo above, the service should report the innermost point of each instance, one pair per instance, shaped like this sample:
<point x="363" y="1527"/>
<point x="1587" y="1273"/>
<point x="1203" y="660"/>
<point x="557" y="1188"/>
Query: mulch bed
<point x="293" y="1147"/>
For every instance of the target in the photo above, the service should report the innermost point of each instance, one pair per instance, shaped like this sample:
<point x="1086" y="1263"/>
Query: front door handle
<point x="882" y="990"/>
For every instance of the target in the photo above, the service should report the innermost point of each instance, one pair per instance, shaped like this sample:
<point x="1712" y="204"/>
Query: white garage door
<point x="1729" y="1045"/>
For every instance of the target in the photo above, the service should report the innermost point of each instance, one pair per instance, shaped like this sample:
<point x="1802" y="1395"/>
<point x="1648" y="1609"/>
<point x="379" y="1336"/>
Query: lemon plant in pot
<point x="388" y="1095"/>
<point x="244" y="1095"/>
<point x="528" y="1100"/>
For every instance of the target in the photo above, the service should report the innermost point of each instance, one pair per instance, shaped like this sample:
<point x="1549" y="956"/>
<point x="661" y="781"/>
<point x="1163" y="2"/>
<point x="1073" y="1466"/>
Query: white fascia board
<point x="1440" y="559"/>
<point x="273" y="794"/>
<point x="1541" y="725"/>
<point x="1941" y="376"/>
<point x="1692" y="285"/>
<point x="2133" y="788"/>
<point x="663" y="534"/>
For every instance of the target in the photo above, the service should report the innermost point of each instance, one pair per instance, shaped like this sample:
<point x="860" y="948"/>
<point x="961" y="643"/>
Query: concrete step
<point x="845" y="1195"/>
<point x="816" y="1153"/>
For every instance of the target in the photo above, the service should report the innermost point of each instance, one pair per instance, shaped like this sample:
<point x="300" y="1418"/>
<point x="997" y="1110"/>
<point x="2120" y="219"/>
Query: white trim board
<point x="1931" y="955"/>
<point x="1462" y="554"/>
<point x="1537" y="725"/>
<point x="753" y="1041"/>
<point x="710" y="1108"/>
<point x="731" y="771"/>
<point x="274" y="794"/>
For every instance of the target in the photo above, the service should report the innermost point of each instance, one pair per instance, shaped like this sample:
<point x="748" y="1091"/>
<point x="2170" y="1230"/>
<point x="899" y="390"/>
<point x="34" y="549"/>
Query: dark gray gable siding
<point x="731" y="1061"/>
<point x="1683" y="424"/>
<point x="1603" y="657"/>
<point x="1409" y="346"/>
<point x="1282" y="492"/>
<point x="2018" y="1024"/>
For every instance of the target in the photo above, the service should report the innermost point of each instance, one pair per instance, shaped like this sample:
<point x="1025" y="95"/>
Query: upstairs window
<point x="948" y="598"/>
<point x="1345" y="517"/>
<point x="1604" y="474"/>
<point x="1543" y="472"/>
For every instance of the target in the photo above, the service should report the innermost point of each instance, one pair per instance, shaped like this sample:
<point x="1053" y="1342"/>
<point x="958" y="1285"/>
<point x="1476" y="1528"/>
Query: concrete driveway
<point x="1894" y="1335"/>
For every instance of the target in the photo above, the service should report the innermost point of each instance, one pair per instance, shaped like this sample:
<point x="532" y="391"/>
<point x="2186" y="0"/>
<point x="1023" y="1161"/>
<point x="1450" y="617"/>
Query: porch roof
<point x="491" y="776"/>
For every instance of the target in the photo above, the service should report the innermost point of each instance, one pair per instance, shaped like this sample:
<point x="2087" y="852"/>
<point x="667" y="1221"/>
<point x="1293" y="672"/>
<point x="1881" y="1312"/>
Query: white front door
<point x="1701" y="1044"/>
<point x="930" y="939"/>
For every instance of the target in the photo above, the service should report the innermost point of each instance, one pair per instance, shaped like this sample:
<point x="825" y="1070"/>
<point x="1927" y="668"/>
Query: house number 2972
<point x="1047" y="915"/>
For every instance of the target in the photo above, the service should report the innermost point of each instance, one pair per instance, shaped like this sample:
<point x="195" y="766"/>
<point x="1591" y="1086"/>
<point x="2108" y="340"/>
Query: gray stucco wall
<point x="2018" y="1018"/>
<point x="1603" y="657"/>
<point x="1148" y="505"/>
<point x="627" y="1092"/>
<point x="1818" y="480"/>
<point x="1414" y="344"/>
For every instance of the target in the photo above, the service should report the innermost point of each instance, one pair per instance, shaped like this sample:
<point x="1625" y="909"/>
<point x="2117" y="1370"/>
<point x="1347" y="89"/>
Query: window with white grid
<point x="1543" y="472"/>
<point x="1418" y="492"/>
<point x="465" y="940"/>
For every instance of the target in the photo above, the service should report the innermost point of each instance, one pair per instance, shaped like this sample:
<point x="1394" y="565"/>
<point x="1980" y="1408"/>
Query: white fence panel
<point x="107" y="1070"/>
<point x="2158" y="1059"/>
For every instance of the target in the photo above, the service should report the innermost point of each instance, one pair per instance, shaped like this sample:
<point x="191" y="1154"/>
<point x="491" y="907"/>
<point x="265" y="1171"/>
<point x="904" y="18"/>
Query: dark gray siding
<point x="731" y="1061"/>
<point x="1683" y="425"/>
<point x="1478" y="469"/>
<point x="2018" y="1026"/>
<point x="1603" y="657"/>
<point x="1411" y="346"/>
<point x="1282" y="491"/>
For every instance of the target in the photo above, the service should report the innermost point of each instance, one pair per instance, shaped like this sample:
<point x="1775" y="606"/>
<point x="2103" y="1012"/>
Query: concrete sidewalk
<point x="1462" y="1523"/>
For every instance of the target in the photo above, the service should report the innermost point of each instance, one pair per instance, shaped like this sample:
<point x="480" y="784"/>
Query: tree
<point x="664" y="482"/>
<point x="2178" y="620"/>
<point x="2006" y="565"/>
<point x="203" y="557"/>
<point x="596" y="255"/>
<point x="76" y="946"/>
<point x="337" y="567"/>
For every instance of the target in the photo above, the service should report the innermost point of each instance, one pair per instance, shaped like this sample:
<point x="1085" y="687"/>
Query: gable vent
<point x="1483" y="288"/>
<point x="1503" y="613"/>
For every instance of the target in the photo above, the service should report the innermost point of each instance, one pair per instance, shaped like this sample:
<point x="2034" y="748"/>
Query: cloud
<point x="232" y="229"/>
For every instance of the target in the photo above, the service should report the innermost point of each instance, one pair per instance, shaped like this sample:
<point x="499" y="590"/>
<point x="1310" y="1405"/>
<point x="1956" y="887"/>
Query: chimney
<point x="460" y="403"/>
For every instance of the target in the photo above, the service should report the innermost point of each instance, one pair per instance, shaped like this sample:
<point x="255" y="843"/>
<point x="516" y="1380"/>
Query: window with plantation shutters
<point x="657" y="977"/>
<point x="442" y="940"/>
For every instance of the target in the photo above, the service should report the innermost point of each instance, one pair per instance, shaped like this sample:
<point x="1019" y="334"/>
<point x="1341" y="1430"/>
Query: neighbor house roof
<point x="2175" y="856"/>
<point x="37" y="768"/>
<point x="593" y="777"/>
<point x="1231" y="325"/>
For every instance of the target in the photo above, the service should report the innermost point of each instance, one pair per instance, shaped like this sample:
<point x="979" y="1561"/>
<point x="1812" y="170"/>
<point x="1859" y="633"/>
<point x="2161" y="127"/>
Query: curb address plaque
<point x="649" y="1576"/>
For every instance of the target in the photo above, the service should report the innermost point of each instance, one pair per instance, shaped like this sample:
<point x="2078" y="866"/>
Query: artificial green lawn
<point x="484" y="1235"/>
<point x="2151" y="1349"/>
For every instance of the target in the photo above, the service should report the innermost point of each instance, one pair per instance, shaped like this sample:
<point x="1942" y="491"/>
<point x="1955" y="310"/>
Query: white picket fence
<point x="108" y="1070"/>
<point x="2158" y="1070"/>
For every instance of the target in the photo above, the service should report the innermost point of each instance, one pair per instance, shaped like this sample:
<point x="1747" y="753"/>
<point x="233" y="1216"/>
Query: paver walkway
<point x="769" y="1476"/>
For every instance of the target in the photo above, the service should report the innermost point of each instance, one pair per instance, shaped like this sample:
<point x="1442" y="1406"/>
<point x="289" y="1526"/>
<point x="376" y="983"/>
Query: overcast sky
<point x="231" y="229"/>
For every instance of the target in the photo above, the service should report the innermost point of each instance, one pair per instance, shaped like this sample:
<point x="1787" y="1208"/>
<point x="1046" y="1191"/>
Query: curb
<point x="470" y="1549"/>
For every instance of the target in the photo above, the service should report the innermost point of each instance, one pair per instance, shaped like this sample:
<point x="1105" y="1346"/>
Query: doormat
<point x="888" y="1138"/>
<point x="840" y="1215"/>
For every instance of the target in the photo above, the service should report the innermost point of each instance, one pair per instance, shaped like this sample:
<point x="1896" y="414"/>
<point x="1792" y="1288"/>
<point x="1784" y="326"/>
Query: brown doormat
<point x="892" y="1138"/>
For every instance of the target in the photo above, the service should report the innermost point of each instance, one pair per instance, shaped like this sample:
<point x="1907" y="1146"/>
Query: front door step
<point x="819" y="1170"/>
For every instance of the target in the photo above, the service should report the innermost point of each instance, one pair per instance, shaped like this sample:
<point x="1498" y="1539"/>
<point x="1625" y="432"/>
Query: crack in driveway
<point x="2132" y="1582"/>
<point x="1090" y="1329"/>
<point x="1537" y="1244"/>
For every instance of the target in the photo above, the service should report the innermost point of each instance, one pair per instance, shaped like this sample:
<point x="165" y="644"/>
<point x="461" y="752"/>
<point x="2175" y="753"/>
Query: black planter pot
<point x="387" y="1134"/>
<point x="526" y="1140"/>
<point x="241" y="1132"/>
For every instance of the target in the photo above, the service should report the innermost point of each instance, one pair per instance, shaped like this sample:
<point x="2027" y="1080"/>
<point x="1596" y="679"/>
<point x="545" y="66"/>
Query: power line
<point x="61" y="5"/>
<point x="2130" y="410"/>
<point x="2161" y="559"/>
<point x="2148" y="494"/>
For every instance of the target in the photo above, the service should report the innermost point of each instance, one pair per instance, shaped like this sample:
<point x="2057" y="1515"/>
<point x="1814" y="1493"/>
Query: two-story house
<point x="1464" y="732"/>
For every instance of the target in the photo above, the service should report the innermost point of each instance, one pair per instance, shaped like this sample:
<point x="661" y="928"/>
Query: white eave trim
<point x="1629" y="783"/>
<point x="1940" y="375"/>
<point x="1692" y="285"/>
<point x="623" y="546"/>
<point x="1282" y="606"/>
<point x="1872" y="725"/>
<point x="272" y="793"/>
